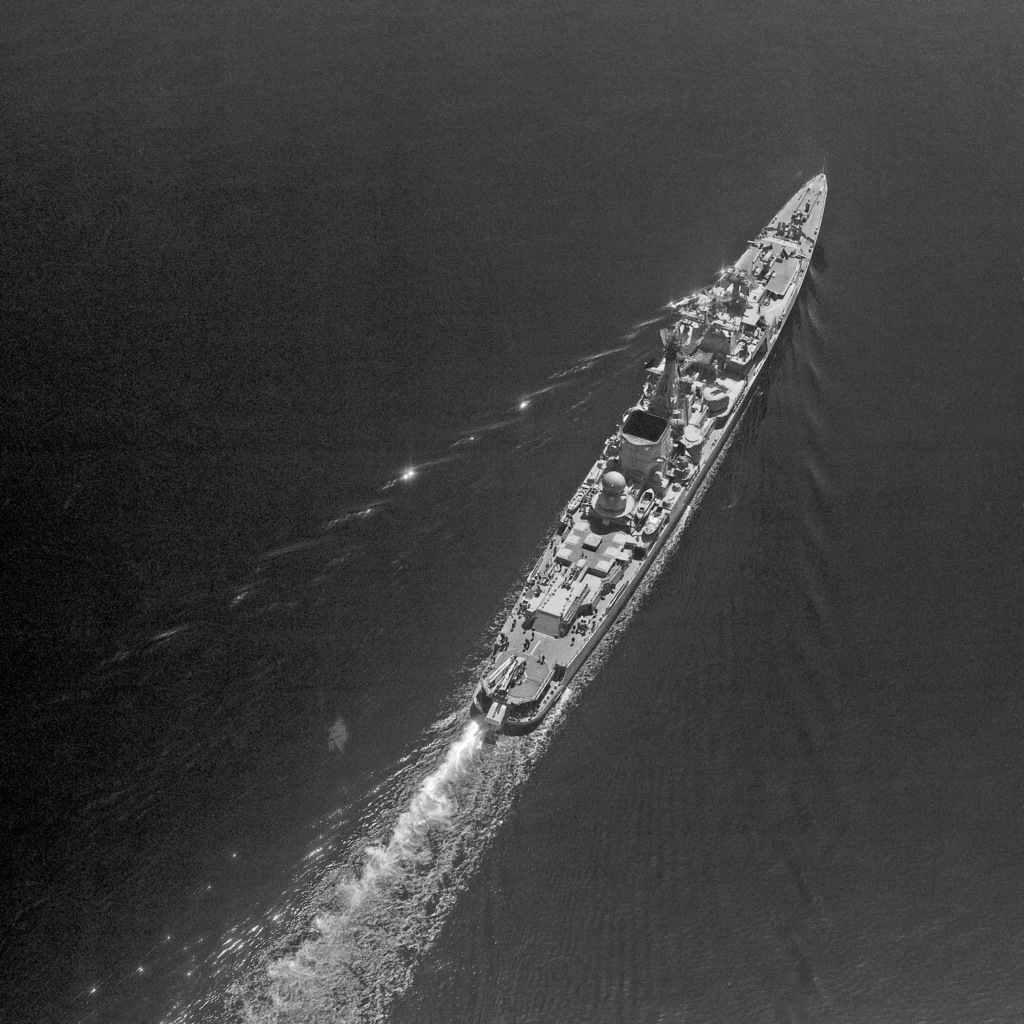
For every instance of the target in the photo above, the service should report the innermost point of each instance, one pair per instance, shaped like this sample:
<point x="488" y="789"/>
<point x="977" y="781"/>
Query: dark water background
<point x="260" y="260"/>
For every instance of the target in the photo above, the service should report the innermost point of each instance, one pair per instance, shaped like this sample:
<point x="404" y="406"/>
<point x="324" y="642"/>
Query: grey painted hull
<point x="716" y="442"/>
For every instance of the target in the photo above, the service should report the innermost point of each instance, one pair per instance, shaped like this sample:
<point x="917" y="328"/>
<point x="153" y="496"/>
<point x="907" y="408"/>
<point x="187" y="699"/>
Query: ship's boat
<point x="649" y="471"/>
<point x="643" y="506"/>
<point x="653" y="526"/>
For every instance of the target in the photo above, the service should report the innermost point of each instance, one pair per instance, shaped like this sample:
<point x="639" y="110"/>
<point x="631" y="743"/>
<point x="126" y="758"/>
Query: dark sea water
<point x="260" y="261"/>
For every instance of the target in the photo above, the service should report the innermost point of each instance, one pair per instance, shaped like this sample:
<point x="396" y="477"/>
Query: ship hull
<point x="496" y="705"/>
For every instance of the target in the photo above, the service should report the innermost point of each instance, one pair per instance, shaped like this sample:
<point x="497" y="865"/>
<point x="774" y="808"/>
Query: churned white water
<point x="381" y="910"/>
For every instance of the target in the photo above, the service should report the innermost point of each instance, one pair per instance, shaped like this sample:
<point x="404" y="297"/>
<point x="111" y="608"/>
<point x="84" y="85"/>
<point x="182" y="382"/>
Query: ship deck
<point x="590" y="566"/>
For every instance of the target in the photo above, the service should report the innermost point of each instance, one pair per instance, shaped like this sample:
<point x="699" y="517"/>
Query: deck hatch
<point x="783" y="276"/>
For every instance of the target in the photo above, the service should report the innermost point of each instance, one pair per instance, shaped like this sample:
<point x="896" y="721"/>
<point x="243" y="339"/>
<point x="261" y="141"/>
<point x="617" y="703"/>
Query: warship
<point x="650" y="469"/>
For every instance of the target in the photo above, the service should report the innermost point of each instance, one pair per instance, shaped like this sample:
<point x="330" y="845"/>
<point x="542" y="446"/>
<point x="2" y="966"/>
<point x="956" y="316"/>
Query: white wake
<point x="375" y="920"/>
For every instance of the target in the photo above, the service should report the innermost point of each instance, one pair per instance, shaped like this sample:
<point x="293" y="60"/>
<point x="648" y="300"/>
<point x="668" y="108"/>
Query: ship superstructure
<point x="649" y="470"/>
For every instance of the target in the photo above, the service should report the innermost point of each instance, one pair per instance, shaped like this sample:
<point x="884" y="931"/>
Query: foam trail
<point x="432" y="804"/>
<point x="526" y="399"/>
<point x="360" y="512"/>
<point x="588" y="362"/>
<point x="288" y="549"/>
<point x="373" y="923"/>
<point x="601" y="355"/>
<point x="411" y="472"/>
<point x="485" y="428"/>
<point x="637" y="329"/>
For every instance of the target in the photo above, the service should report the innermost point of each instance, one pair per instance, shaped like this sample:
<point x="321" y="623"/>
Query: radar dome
<point x="613" y="483"/>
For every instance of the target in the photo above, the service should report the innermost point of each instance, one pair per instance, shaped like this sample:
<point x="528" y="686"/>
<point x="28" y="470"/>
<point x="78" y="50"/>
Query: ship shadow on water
<point x="819" y="259"/>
